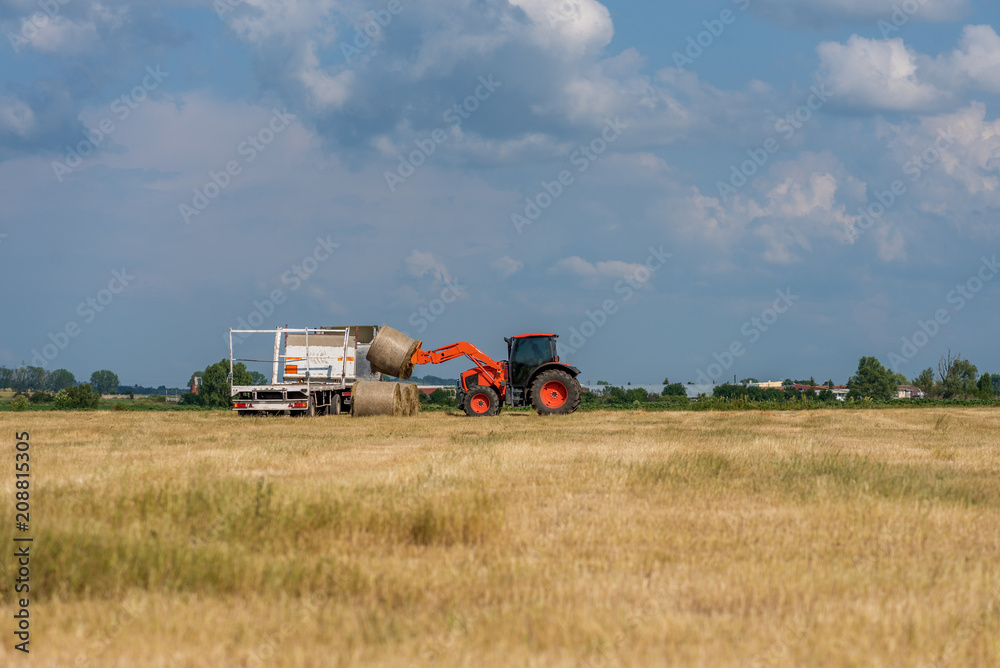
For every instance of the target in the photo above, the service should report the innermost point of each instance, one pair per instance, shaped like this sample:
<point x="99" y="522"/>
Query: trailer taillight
<point x="298" y="404"/>
<point x="239" y="404"/>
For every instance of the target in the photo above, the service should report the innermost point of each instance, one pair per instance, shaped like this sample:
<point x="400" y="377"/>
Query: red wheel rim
<point x="480" y="404"/>
<point x="554" y="394"/>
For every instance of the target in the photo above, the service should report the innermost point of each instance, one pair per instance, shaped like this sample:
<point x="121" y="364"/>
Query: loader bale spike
<point x="372" y="397"/>
<point x="391" y="351"/>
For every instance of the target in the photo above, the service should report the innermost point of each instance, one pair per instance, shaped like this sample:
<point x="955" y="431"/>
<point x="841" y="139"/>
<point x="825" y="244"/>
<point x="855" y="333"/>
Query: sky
<point x="687" y="190"/>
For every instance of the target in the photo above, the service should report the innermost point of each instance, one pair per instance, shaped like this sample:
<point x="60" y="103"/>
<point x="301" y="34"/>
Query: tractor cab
<point x="527" y="352"/>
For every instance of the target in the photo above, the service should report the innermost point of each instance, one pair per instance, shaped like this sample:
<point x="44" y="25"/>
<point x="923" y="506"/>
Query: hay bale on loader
<point x="391" y="351"/>
<point x="373" y="397"/>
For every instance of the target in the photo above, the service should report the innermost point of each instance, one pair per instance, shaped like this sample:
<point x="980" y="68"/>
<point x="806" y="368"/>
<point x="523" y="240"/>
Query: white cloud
<point x="885" y="75"/>
<point x="506" y="267"/>
<point x="576" y="26"/>
<point x="260" y="21"/>
<point x="875" y="74"/>
<point x="325" y="91"/>
<point x="794" y="205"/>
<point x="420" y="263"/>
<point x="962" y="144"/>
<point x="16" y="117"/>
<point x="577" y="266"/>
<point x="800" y="208"/>
<point x="977" y="59"/>
<point x="815" y="13"/>
<point x="889" y="243"/>
<point x="66" y="36"/>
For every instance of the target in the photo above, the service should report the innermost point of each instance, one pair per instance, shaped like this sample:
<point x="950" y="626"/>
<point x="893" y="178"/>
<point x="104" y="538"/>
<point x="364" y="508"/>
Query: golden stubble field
<point x="822" y="538"/>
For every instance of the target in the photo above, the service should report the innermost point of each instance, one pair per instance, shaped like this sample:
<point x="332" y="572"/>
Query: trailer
<point x="312" y="370"/>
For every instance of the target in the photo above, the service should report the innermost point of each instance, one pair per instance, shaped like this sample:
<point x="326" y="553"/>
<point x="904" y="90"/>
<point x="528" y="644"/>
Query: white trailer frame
<point x="318" y="394"/>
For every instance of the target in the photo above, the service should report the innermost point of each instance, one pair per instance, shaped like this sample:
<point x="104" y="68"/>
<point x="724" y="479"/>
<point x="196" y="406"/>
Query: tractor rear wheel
<point x="555" y="392"/>
<point x="481" y="401"/>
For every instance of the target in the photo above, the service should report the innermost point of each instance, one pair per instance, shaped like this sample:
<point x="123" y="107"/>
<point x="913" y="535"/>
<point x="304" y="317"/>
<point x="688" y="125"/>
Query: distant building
<point x="769" y="385"/>
<point x="909" y="392"/>
<point x="429" y="389"/>
<point x="696" y="390"/>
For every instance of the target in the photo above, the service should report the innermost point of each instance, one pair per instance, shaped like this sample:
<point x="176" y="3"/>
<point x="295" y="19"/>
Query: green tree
<point x="636" y="394"/>
<point x="441" y="397"/>
<point x="730" y="391"/>
<point x="5" y="377"/>
<point x="925" y="380"/>
<point x="958" y="376"/>
<point x="899" y="378"/>
<point x="19" y="403"/>
<point x="214" y="390"/>
<point x="872" y="380"/>
<point x="614" y="394"/>
<point x="257" y="378"/>
<point x="104" y="381"/>
<point x="78" y="397"/>
<point x="986" y="386"/>
<point x="674" y="390"/>
<point x="27" y="378"/>
<point x="59" y="379"/>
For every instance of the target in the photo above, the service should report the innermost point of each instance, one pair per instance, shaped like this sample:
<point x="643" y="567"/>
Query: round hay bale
<point x="391" y="351"/>
<point x="372" y="397"/>
<point x="411" y="398"/>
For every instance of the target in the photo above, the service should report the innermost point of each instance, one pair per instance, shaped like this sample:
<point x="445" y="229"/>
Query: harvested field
<point x="821" y="538"/>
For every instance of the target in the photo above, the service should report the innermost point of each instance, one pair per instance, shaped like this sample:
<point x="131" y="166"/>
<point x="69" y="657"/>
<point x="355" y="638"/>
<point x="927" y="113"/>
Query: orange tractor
<point x="532" y="374"/>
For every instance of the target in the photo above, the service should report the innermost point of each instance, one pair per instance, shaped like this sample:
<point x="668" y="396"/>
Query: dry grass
<point x="840" y="538"/>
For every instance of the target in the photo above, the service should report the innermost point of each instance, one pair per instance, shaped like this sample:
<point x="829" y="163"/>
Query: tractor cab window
<point x="526" y="355"/>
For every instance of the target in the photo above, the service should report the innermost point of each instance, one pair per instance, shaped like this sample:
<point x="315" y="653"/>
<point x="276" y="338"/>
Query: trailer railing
<point x="276" y="361"/>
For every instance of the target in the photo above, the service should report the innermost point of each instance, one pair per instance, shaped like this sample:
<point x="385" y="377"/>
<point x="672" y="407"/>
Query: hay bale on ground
<point x="391" y="351"/>
<point x="411" y="398"/>
<point x="372" y="397"/>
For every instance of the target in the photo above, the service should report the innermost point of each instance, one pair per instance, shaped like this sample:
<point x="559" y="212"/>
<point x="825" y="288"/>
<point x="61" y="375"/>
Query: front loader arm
<point x="486" y="364"/>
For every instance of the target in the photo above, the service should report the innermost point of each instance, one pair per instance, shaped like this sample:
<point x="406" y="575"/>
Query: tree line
<point x="37" y="379"/>
<point x="955" y="378"/>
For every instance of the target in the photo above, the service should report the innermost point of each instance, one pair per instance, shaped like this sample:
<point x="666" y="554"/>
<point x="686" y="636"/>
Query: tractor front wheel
<point x="481" y="401"/>
<point x="555" y="392"/>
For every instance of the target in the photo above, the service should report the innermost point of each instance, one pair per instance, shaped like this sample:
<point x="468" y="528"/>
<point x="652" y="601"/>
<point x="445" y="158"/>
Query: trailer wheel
<point x="481" y="401"/>
<point x="555" y="392"/>
<point x="335" y="404"/>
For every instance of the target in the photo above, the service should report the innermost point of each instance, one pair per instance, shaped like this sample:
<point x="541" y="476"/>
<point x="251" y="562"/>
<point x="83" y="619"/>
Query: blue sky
<point x="766" y="188"/>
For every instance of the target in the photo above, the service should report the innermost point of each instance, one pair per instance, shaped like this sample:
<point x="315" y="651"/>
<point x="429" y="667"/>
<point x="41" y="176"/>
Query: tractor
<point x="532" y="374"/>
